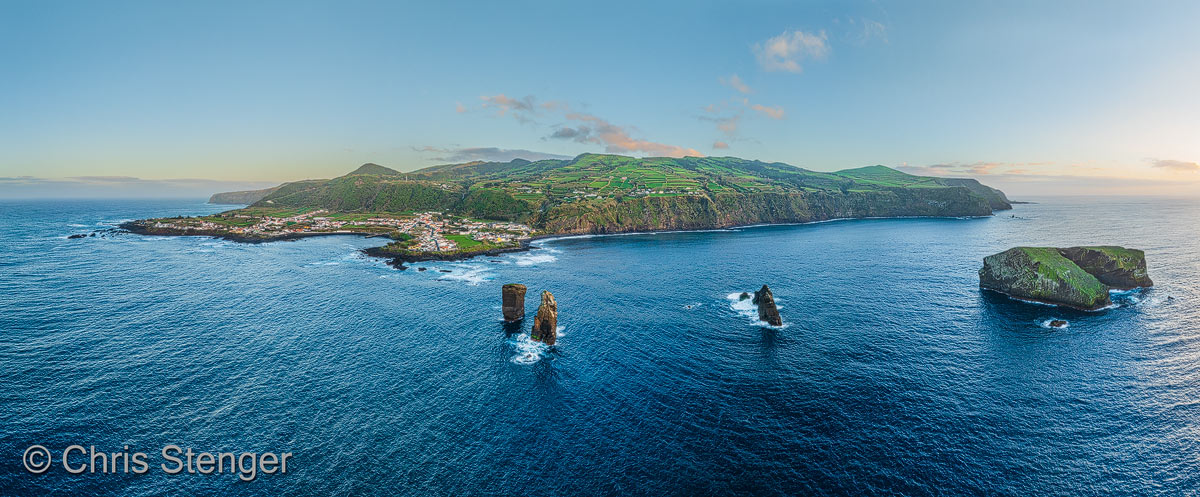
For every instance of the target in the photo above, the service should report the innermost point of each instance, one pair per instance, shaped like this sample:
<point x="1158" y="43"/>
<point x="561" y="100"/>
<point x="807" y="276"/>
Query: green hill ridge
<point x="599" y="193"/>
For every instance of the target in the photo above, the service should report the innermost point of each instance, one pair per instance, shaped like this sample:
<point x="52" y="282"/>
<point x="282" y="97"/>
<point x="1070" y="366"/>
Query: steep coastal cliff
<point x="609" y="193"/>
<point x="487" y="207"/>
<point x="723" y="210"/>
<point x="1078" y="277"/>
<point x="241" y="198"/>
<point x="1117" y="267"/>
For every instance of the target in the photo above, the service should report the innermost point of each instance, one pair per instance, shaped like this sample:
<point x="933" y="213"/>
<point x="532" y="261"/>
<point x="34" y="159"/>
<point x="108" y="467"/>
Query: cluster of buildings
<point x="187" y="224"/>
<point x="429" y="229"/>
<point x="299" y="223"/>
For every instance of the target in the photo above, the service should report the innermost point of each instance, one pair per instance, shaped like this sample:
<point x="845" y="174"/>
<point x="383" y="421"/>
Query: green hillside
<point x="370" y="168"/>
<point x="599" y="193"/>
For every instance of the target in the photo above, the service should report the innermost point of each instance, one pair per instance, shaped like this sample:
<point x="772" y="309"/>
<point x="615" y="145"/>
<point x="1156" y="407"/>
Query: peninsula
<point x="462" y="210"/>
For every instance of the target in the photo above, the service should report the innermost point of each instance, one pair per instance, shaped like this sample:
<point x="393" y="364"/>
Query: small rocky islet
<point x="513" y="298"/>
<point x="1076" y="277"/>
<point x="545" y="322"/>
<point x="767" y="311"/>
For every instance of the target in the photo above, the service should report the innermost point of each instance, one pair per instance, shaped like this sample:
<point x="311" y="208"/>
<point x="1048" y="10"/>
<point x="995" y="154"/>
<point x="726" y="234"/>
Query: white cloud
<point x="729" y="125"/>
<point x="964" y="169"/>
<point x="590" y="129"/>
<point x="863" y="30"/>
<point x="771" y="112"/>
<point x="487" y="154"/>
<point x="736" y="83"/>
<point x="522" y="109"/>
<point x="784" y="52"/>
<point x="728" y="115"/>
<point x="1175" y="165"/>
<point x="505" y="103"/>
<point x="874" y="30"/>
<point x="616" y="139"/>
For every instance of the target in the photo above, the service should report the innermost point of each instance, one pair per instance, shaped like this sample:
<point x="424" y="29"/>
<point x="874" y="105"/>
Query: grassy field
<point x="519" y="190"/>
<point x="1053" y="266"/>
<point x="465" y="242"/>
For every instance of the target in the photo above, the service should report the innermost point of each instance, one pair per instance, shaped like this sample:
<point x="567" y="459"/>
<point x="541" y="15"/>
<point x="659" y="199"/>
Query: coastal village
<point x="429" y="231"/>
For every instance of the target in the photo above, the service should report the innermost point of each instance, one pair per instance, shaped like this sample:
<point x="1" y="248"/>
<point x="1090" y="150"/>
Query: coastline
<point x="563" y="236"/>
<point x="1048" y="303"/>
<point x="138" y="229"/>
<point x="398" y="261"/>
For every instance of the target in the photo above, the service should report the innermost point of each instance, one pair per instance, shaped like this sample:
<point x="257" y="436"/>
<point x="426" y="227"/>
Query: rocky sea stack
<point x="513" y="298"/>
<point x="766" y="307"/>
<point x="545" y="324"/>
<point x="1078" y="277"/>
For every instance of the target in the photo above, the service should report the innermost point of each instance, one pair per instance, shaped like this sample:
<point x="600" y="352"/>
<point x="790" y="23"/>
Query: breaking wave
<point x="527" y="350"/>
<point x="535" y="257"/>
<point x="471" y="274"/>
<point x="748" y="310"/>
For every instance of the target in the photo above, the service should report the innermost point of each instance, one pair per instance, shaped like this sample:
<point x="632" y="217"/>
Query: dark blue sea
<point x="893" y="374"/>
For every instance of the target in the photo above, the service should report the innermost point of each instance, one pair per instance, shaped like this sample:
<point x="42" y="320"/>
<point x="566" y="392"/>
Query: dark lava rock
<point x="766" y="307"/>
<point x="1117" y="267"/>
<point x="81" y="235"/>
<point x="1078" y="277"/>
<point x="1042" y="274"/>
<point x="1058" y="323"/>
<point x="513" y="297"/>
<point x="443" y="270"/>
<point x="545" y="324"/>
<point x="420" y="269"/>
<point x="743" y="296"/>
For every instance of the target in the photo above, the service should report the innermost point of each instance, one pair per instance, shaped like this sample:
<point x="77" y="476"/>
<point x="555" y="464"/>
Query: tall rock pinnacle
<point x="766" y="307"/>
<point x="545" y="324"/>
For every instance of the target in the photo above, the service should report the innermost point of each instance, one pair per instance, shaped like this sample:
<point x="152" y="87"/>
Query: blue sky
<point x="1033" y="97"/>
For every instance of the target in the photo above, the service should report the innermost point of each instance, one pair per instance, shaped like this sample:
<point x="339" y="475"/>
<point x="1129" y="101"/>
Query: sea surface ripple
<point x="894" y="373"/>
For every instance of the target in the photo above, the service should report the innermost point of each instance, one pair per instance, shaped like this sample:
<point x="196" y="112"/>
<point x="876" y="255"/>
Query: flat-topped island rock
<point x="513" y="299"/>
<point x="1077" y="277"/>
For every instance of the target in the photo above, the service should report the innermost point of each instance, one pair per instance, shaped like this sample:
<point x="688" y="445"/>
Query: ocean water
<point x="893" y="374"/>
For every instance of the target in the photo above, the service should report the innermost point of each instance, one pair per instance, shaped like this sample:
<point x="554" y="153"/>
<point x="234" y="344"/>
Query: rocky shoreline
<point x="139" y="229"/>
<point x="398" y="260"/>
<point x="1076" y="277"/>
<point x="395" y="260"/>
